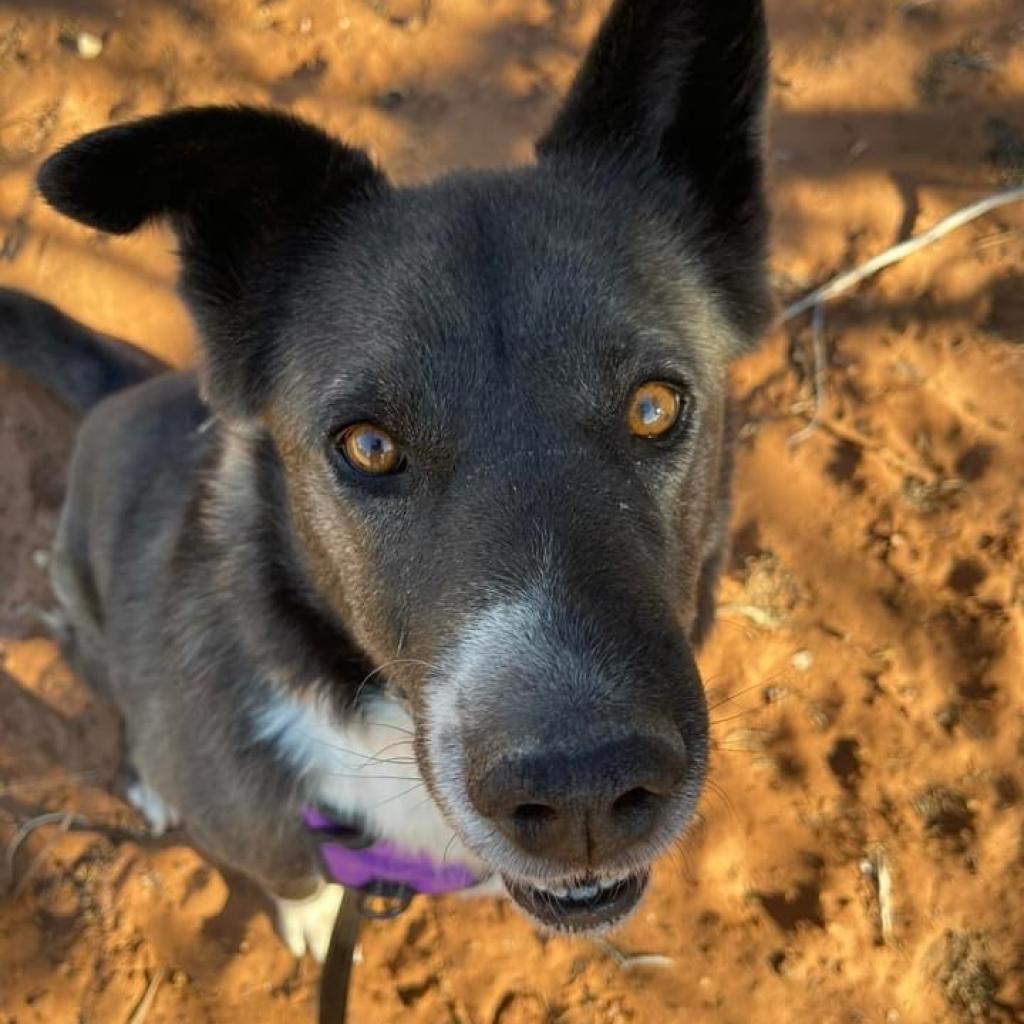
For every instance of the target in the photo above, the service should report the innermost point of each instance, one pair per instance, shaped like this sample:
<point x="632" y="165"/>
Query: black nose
<point x="585" y="804"/>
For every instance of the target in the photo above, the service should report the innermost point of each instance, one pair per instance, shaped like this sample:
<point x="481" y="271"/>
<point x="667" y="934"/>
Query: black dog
<point x="447" y="498"/>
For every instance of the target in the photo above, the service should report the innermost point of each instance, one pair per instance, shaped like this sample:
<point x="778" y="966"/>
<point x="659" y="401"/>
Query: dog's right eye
<point x="371" y="450"/>
<point x="654" y="409"/>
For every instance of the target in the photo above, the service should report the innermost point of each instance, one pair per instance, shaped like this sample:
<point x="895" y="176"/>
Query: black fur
<point x="680" y="86"/>
<point x="241" y="188"/>
<point x="80" y="366"/>
<point x="220" y="557"/>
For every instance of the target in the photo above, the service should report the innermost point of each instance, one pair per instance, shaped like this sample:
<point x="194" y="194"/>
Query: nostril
<point x="634" y="801"/>
<point x="634" y="814"/>
<point x="534" y="815"/>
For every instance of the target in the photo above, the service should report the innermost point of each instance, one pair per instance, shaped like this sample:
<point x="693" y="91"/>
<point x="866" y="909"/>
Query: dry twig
<point x="63" y="818"/>
<point x="145" y="1004"/>
<point x="816" y="299"/>
<point x="850" y="278"/>
<point x="876" y="867"/>
<point x="626" y="962"/>
<point x="37" y="860"/>
<point x="820" y="362"/>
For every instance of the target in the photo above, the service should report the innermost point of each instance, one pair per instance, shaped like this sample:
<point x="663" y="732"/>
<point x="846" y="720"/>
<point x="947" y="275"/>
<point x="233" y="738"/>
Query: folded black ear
<point x="240" y="187"/>
<point x="679" y="85"/>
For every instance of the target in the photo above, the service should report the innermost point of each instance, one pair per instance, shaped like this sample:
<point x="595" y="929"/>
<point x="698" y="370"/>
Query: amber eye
<point x="654" y="409"/>
<point x="370" y="449"/>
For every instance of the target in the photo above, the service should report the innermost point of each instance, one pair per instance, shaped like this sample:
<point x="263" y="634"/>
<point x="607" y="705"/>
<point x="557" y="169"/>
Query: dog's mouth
<point x="588" y="904"/>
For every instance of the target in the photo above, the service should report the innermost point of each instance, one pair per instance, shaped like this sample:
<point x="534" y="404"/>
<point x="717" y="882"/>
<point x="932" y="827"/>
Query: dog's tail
<point x="77" y="364"/>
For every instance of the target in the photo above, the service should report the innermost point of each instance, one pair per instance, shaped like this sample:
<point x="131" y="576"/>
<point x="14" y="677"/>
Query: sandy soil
<point x="861" y="853"/>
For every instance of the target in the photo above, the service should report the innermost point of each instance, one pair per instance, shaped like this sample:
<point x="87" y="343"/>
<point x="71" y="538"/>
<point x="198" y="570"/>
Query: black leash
<point x="377" y="901"/>
<point x="380" y="881"/>
<point x="337" y="971"/>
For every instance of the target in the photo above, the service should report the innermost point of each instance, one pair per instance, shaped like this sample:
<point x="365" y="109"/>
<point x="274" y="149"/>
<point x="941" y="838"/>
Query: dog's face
<point x="498" y="403"/>
<point x="542" y="391"/>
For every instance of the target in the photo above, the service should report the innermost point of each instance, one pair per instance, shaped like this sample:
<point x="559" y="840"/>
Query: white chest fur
<point x="364" y="766"/>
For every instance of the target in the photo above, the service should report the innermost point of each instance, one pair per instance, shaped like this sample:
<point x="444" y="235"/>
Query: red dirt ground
<point x="866" y="670"/>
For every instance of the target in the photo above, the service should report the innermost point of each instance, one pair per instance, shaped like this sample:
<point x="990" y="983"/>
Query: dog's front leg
<point x="305" y="920"/>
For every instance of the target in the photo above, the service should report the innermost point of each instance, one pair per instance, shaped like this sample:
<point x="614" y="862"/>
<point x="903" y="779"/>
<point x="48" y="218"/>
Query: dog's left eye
<point x="371" y="450"/>
<point x="654" y="409"/>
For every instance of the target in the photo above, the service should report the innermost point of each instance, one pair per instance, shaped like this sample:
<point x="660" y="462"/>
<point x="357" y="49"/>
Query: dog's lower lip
<point x="587" y="904"/>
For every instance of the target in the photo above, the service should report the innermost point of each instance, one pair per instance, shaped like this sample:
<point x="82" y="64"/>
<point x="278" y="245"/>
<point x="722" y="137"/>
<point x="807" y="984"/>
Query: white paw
<point x="153" y="807"/>
<point x="306" y="925"/>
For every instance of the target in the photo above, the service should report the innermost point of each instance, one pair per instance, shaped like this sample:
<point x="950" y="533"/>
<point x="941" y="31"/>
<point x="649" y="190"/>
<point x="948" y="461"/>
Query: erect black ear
<point x="241" y="189"/>
<point x="679" y="85"/>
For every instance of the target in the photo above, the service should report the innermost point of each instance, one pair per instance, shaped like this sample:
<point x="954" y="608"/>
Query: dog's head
<point x="498" y="407"/>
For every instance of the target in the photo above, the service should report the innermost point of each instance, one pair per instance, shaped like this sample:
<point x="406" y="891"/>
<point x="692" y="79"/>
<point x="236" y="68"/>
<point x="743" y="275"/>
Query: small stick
<point x="847" y="280"/>
<point x="26" y="829"/>
<point x="145" y="1004"/>
<point x="820" y="361"/>
<point x="38" y="859"/>
<point x="884" y="877"/>
<point x="876" y="867"/>
<point x="626" y="962"/>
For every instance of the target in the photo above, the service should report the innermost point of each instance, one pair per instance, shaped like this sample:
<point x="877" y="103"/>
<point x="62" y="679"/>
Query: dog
<point x="429" y="540"/>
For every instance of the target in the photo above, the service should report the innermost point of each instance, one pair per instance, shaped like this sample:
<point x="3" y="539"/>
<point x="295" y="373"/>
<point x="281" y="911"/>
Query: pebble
<point x="88" y="45"/>
<point x="802" y="661"/>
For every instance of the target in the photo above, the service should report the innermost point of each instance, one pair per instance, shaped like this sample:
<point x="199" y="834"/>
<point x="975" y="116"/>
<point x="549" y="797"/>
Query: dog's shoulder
<point x="152" y="423"/>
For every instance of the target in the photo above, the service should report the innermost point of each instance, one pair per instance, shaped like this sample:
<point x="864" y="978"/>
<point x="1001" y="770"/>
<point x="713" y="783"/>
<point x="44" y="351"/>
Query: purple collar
<point x="348" y="856"/>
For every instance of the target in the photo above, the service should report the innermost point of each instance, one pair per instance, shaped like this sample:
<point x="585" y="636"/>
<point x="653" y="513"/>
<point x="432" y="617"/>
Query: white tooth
<point x="560" y="892"/>
<point x="585" y="892"/>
